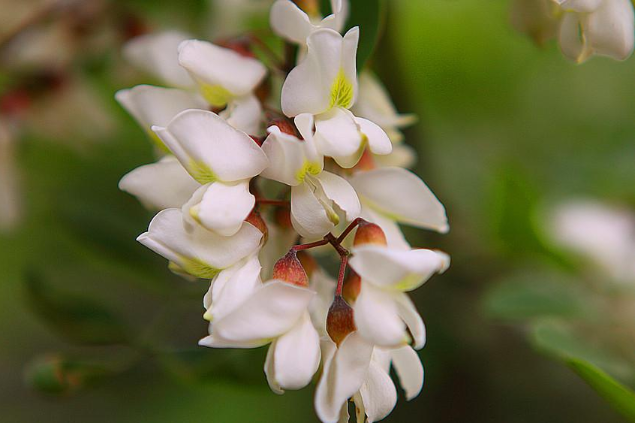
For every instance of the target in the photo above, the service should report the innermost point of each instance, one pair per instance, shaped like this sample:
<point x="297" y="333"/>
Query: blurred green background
<point x="505" y="128"/>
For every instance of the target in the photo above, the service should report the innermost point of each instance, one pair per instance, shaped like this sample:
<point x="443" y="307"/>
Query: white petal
<point x="378" y="141"/>
<point x="244" y="113"/>
<point x="324" y="285"/>
<point x="290" y="159"/>
<point x="338" y="190"/>
<point x="402" y="196"/>
<point x="161" y="185"/>
<point x="409" y="370"/>
<point x="396" y="269"/>
<point x="271" y="311"/>
<point x="610" y="30"/>
<point x="326" y="77"/>
<point x="583" y="6"/>
<point x="308" y="215"/>
<point x="345" y="369"/>
<point x="200" y="252"/>
<point x="210" y="149"/>
<point x="151" y="105"/>
<point x="336" y="20"/>
<point x="338" y="135"/>
<point x="221" y="72"/>
<point x="377" y="318"/>
<point x="232" y="287"/>
<point x="297" y="356"/>
<point x="221" y="207"/>
<point x="409" y="314"/>
<point x="378" y="394"/>
<point x="570" y="37"/>
<point x="213" y="341"/>
<point x="157" y="55"/>
<point x="290" y="22"/>
<point x="402" y="156"/>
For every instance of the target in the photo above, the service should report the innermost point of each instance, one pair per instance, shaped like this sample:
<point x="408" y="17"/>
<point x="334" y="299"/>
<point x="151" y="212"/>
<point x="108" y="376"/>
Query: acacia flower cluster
<point x="584" y="27"/>
<point x="246" y="174"/>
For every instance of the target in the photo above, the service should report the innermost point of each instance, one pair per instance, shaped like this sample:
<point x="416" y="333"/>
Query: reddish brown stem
<point x="340" y="278"/>
<point x="348" y="230"/>
<point x="310" y="245"/>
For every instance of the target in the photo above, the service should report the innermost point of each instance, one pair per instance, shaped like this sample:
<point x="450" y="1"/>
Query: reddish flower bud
<point x="255" y="219"/>
<point x="290" y="270"/>
<point x="285" y="126"/>
<point x="308" y="262"/>
<point x="352" y="286"/>
<point x="369" y="233"/>
<point x="340" y="320"/>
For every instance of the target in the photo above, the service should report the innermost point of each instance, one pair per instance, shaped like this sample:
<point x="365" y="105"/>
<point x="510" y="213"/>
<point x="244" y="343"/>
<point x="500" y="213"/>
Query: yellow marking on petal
<point x="198" y="268"/>
<point x="208" y="315"/>
<point x="408" y="283"/>
<point x="201" y="172"/>
<point x="311" y="168"/>
<point x="215" y="95"/>
<point x="341" y="91"/>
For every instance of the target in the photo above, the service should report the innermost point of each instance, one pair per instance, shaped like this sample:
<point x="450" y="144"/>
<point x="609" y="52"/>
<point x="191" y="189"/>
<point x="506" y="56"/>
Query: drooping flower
<point x="315" y="194"/>
<point x="596" y="27"/>
<point x="196" y="138"/>
<point x="324" y="84"/>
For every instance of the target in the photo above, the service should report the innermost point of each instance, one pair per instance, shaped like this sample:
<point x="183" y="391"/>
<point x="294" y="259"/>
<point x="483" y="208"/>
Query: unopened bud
<point x="340" y="320"/>
<point x="369" y="233"/>
<point x="310" y="7"/>
<point x="285" y="126"/>
<point x="290" y="270"/>
<point x="255" y="219"/>
<point x="308" y="262"/>
<point x="352" y="286"/>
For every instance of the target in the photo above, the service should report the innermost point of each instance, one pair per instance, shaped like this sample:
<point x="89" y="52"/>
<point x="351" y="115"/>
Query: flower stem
<point x="348" y="230"/>
<point x="340" y="278"/>
<point x="310" y="245"/>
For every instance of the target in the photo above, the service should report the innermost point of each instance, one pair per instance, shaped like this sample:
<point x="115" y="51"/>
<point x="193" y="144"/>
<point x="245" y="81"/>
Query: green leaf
<point x="617" y="395"/>
<point x="77" y="319"/>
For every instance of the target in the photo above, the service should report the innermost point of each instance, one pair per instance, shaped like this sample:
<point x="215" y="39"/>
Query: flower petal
<point x="378" y="394"/>
<point x="156" y="54"/>
<point x="583" y="6"/>
<point x="271" y="311"/>
<point x="345" y="369"/>
<point x="377" y="318"/>
<point x="296" y="356"/>
<point x="221" y="72"/>
<point x="408" y="312"/>
<point x="409" y="370"/>
<point x="571" y="42"/>
<point x="200" y="252"/>
<point x="244" y="113"/>
<point x="289" y="21"/>
<point x="220" y="207"/>
<point x="161" y="185"/>
<point x="378" y="141"/>
<point x="396" y="269"/>
<point x="402" y="196"/>
<point x="210" y="149"/>
<point x="337" y="135"/>
<point x="338" y="190"/>
<point x="308" y="216"/>
<point x="610" y="30"/>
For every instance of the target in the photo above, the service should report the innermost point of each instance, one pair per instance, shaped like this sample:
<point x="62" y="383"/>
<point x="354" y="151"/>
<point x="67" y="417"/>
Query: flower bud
<point x="308" y="262"/>
<point x="369" y="233"/>
<point x="290" y="270"/>
<point x="255" y="219"/>
<point x="339" y="320"/>
<point x="310" y="7"/>
<point x="352" y="286"/>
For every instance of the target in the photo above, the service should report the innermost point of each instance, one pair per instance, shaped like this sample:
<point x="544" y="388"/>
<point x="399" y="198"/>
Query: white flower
<point x="290" y="22"/>
<point x="161" y="185"/>
<point x="375" y="105"/>
<point x="198" y="252"/>
<point x="156" y="106"/>
<point x="315" y="194"/>
<point x="221" y="158"/>
<point x="275" y="312"/>
<point x="604" y="234"/>
<point x="156" y="54"/>
<point x="394" y="195"/>
<point x="324" y="84"/>
<point x="600" y="27"/>
<point x="221" y="73"/>
<point x="382" y="309"/>
<point x="344" y="371"/>
<point x="377" y="396"/>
